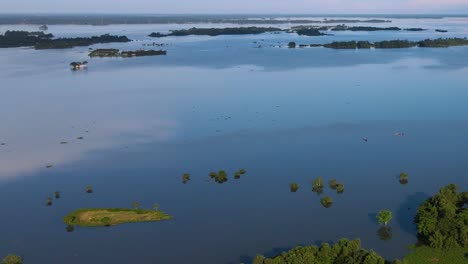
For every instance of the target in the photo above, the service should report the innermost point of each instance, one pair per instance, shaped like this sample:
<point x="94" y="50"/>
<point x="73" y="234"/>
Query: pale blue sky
<point x="235" y="6"/>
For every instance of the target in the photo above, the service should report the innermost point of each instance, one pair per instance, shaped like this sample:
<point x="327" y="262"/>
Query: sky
<point x="237" y="6"/>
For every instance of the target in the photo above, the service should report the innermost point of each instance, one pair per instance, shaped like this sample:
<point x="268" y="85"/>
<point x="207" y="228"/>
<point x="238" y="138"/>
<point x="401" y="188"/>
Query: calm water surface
<point x="224" y="103"/>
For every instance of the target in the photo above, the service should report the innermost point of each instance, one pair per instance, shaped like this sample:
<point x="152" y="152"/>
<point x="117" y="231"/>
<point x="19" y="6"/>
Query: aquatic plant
<point x="12" y="259"/>
<point x="327" y="201"/>
<point x="384" y="216"/>
<point x="294" y="187"/>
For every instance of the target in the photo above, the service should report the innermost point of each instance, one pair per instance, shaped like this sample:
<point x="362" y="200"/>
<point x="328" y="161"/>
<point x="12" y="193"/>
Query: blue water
<point x="284" y="115"/>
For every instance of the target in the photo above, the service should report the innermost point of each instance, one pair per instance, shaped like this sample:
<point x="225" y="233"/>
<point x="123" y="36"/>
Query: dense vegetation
<point x="442" y="220"/>
<point x="218" y="31"/>
<point x="395" y="44"/>
<point x="40" y="40"/>
<point x="116" y="53"/>
<point x="12" y="259"/>
<point x="345" y="251"/>
<point x="309" y="32"/>
<point x="219" y="177"/>
<point x="112" y="216"/>
<point x="362" y="28"/>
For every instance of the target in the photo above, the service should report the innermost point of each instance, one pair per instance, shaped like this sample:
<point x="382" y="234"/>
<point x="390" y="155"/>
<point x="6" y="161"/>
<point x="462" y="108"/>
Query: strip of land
<point x="217" y="31"/>
<point x="101" y="53"/>
<point x="40" y="40"/>
<point x="390" y="44"/>
<point x="95" y="217"/>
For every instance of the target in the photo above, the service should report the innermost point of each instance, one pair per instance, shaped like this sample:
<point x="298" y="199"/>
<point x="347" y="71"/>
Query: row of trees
<point x="345" y="251"/>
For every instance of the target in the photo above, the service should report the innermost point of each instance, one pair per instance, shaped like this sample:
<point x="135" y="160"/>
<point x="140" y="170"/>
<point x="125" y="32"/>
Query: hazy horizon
<point x="317" y="7"/>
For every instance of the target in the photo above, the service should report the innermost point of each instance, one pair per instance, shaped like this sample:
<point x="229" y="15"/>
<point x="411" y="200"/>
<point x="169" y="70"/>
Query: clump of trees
<point x="217" y="31"/>
<point x="185" y="178"/>
<point x="344" y="251"/>
<point x="219" y="177"/>
<point x="12" y="259"/>
<point x="341" y="45"/>
<point x="238" y="173"/>
<point x="309" y="32"/>
<point x="442" y="220"/>
<point x="395" y="44"/>
<point x="294" y="187"/>
<point x="327" y="201"/>
<point x="317" y="185"/>
<point x="384" y="216"/>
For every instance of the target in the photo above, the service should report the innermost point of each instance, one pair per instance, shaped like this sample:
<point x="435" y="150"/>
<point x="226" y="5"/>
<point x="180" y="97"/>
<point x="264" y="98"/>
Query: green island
<point x="101" y="53"/>
<point x="442" y="223"/>
<point x="99" y="217"/>
<point x="392" y="44"/>
<point x="217" y="31"/>
<point x="40" y="40"/>
<point x="362" y="28"/>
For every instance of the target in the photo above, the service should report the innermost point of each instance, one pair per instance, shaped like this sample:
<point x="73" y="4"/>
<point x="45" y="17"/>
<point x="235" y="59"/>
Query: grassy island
<point x="95" y="217"/>
<point x="40" y="40"/>
<point x="101" y="53"/>
<point x="217" y="31"/>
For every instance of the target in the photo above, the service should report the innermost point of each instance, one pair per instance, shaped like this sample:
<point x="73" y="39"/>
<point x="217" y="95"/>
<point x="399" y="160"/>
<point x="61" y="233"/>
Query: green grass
<point x="427" y="255"/>
<point x="94" y="217"/>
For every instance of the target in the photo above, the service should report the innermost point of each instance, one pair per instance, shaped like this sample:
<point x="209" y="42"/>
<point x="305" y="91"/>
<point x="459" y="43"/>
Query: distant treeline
<point x="165" y="19"/>
<point x="40" y="40"/>
<point x="390" y="44"/>
<point x="217" y="31"/>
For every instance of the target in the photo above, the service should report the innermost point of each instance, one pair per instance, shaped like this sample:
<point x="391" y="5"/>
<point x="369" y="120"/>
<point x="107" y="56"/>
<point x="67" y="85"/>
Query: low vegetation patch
<point x="112" y="216"/>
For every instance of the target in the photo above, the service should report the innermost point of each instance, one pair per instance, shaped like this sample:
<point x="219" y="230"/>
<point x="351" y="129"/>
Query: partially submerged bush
<point x="12" y="259"/>
<point x="185" y="177"/>
<point x="340" y="188"/>
<point x="89" y="189"/>
<point x="403" y="178"/>
<point x="333" y="184"/>
<point x="49" y="201"/>
<point x="294" y="187"/>
<point x="57" y="194"/>
<point x="327" y="201"/>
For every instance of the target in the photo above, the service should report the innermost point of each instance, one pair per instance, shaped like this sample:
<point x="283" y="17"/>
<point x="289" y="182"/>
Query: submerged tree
<point x="340" y="188"/>
<point x="403" y="178"/>
<point x="12" y="259"/>
<point x="333" y="184"/>
<point x="384" y="216"/>
<point x="89" y="189"/>
<point x="185" y="178"/>
<point x="70" y="228"/>
<point x="49" y="201"/>
<point x="327" y="201"/>
<point x="294" y="187"/>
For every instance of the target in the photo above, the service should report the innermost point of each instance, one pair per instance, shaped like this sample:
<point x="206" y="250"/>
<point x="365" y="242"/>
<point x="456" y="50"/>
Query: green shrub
<point x="384" y="216"/>
<point x="326" y="201"/>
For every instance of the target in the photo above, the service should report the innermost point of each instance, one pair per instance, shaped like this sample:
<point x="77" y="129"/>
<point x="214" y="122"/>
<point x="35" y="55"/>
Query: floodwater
<point x="226" y="103"/>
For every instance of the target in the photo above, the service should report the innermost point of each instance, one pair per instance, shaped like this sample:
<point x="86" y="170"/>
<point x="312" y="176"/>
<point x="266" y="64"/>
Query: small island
<point x="101" y="53"/>
<point x="99" y="217"/>
<point x="392" y="44"/>
<point x="40" y="40"/>
<point x="217" y="31"/>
